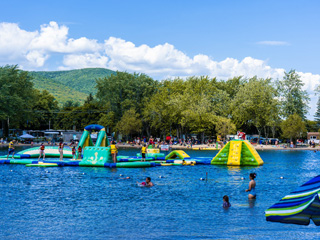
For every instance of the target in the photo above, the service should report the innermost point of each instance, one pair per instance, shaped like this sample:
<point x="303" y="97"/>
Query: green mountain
<point x="73" y="85"/>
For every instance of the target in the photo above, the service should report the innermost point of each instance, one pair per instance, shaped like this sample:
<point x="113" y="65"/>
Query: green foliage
<point x="107" y="120"/>
<point x="184" y="106"/>
<point x="69" y="85"/>
<point x="137" y="104"/>
<point x="293" y="98"/>
<point x="71" y="104"/>
<point x="317" y="114"/>
<point x="130" y="123"/>
<point x="255" y="104"/>
<point x="43" y="109"/>
<point x="71" y="116"/>
<point x="224" y="127"/>
<point x="16" y="96"/>
<point x="293" y="127"/>
<point x="123" y="91"/>
<point x="60" y="91"/>
<point x="232" y="85"/>
<point x="311" y="126"/>
<point x="163" y="110"/>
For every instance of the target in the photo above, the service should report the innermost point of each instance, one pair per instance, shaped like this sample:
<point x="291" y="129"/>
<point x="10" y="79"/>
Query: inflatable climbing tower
<point x="238" y="153"/>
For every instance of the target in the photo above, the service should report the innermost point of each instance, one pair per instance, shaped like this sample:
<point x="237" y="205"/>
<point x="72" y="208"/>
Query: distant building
<point x="313" y="136"/>
<point x="57" y="135"/>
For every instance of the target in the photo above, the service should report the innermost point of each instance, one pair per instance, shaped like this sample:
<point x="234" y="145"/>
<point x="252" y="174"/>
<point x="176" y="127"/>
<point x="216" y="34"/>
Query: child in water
<point x="226" y="203"/>
<point x="252" y="186"/>
<point x="147" y="183"/>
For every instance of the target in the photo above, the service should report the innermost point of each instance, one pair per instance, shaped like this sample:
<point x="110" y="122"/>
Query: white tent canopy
<point x="27" y="136"/>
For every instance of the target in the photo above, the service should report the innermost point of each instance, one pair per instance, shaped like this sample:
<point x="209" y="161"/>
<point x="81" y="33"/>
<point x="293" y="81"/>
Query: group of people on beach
<point x="251" y="190"/>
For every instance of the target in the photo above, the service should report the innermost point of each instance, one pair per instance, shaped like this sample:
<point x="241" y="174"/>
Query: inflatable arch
<point x="86" y="141"/>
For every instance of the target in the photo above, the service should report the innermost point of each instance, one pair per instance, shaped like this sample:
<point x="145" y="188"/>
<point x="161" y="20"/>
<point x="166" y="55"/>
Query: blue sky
<point x="165" y="38"/>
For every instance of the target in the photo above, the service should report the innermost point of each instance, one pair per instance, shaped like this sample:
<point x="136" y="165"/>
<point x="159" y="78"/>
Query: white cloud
<point x="31" y="49"/>
<point x="14" y="42"/>
<point x="74" y="61"/>
<point x="273" y="43"/>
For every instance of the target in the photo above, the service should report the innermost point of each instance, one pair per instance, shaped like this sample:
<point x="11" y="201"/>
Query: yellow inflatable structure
<point x="238" y="153"/>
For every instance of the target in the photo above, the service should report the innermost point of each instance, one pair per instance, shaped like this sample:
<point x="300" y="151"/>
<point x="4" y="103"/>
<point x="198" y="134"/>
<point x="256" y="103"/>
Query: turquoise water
<point x="94" y="203"/>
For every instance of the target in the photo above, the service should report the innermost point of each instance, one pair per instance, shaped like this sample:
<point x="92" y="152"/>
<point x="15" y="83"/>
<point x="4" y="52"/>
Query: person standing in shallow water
<point x="226" y="203"/>
<point x="252" y="186"/>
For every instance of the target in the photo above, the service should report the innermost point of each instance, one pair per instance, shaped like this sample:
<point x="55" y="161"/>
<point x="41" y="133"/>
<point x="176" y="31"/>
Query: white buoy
<point x="82" y="173"/>
<point x="11" y="170"/>
<point x="242" y="178"/>
<point x="281" y="177"/>
<point x="160" y="176"/>
<point x="202" y="179"/>
<point x="121" y="175"/>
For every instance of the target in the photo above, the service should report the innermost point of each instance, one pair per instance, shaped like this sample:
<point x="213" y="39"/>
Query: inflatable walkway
<point x="237" y="153"/>
<point x="153" y="153"/>
<point x="51" y="152"/>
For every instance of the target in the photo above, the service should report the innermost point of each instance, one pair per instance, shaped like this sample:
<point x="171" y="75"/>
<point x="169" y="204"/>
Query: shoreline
<point x="195" y="148"/>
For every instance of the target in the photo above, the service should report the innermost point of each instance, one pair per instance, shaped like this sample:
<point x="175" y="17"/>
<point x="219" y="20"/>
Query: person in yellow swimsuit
<point x="11" y="149"/>
<point x="114" y="151"/>
<point x="143" y="153"/>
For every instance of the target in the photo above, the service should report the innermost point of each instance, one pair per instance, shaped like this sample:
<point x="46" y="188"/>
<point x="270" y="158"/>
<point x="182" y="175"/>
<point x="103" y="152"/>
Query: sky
<point x="166" y="39"/>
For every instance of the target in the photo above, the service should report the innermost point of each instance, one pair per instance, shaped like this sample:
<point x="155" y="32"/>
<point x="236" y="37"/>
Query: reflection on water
<point x="84" y="203"/>
<point x="251" y="202"/>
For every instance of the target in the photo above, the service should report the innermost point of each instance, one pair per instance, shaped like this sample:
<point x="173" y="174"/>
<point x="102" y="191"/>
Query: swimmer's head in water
<point x="226" y="198"/>
<point x="148" y="179"/>
<point x="127" y="177"/>
<point x="253" y="175"/>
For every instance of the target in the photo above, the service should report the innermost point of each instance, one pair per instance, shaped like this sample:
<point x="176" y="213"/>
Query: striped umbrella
<point x="299" y="206"/>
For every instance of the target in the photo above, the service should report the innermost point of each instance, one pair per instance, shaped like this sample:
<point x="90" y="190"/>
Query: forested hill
<point x="73" y="85"/>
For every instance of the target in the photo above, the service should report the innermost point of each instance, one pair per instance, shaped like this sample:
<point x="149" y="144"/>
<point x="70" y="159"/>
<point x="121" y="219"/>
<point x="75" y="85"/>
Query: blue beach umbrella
<point x="299" y="206"/>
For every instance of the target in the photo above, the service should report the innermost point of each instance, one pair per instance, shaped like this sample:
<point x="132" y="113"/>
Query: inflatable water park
<point x="234" y="153"/>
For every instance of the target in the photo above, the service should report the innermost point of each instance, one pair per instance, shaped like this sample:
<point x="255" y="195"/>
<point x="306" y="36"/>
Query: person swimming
<point x="226" y="203"/>
<point x="252" y="186"/>
<point x="147" y="183"/>
<point x="125" y="178"/>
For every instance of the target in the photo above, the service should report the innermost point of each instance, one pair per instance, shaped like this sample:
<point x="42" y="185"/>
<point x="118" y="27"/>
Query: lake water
<point x="94" y="203"/>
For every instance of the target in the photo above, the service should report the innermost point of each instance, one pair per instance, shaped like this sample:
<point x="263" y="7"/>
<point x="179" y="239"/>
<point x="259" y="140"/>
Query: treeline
<point x="137" y="105"/>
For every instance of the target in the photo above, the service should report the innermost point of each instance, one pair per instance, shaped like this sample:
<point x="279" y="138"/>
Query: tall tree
<point x="130" y="123"/>
<point x="16" y="96"/>
<point x="123" y="91"/>
<point x="293" y="127"/>
<point x="311" y="126"/>
<point x="255" y="104"/>
<point x="232" y="85"/>
<point x="224" y="127"/>
<point x="293" y="98"/>
<point x="317" y="114"/>
<point x="44" y="109"/>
